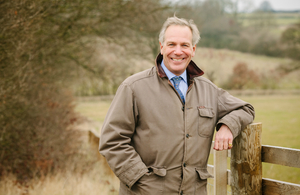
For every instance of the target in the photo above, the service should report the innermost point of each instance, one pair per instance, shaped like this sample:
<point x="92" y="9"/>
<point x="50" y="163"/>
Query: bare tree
<point x="44" y="44"/>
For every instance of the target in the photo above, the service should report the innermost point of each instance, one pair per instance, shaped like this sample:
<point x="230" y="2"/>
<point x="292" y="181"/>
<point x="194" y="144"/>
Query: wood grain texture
<point x="281" y="156"/>
<point x="274" y="187"/>
<point x="246" y="166"/>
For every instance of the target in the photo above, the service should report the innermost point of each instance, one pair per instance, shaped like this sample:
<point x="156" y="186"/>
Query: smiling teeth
<point x="177" y="59"/>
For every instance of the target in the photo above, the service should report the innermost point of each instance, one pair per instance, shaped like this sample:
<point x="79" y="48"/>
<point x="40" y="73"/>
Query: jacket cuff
<point x="133" y="173"/>
<point x="232" y="125"/>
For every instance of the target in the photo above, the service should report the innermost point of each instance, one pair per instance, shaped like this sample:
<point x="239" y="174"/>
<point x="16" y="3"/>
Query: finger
<point x="216" y="146"/>
<point x="225" y="146"/>
<point x="221" y="145"/>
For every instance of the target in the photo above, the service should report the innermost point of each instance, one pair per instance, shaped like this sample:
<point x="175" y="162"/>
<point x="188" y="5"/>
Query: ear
<point x="194" y="51"/>
<point x="161" y="47"/>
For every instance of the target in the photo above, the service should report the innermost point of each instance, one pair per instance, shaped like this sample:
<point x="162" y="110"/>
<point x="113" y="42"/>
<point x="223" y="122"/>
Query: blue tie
<point x="176" y="81"/>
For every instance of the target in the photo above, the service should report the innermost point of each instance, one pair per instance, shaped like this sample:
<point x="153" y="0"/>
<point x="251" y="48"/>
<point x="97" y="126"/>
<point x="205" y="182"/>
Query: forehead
<point x="178" y="33"/>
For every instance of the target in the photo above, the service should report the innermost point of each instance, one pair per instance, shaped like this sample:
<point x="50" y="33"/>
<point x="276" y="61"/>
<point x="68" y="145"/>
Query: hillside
<point x="218" y="65"/>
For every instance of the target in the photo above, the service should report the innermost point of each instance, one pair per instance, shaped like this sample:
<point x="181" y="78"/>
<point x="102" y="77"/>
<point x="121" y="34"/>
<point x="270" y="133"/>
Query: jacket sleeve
<point x="233" y="112"/>
<point x="115" y="140"/>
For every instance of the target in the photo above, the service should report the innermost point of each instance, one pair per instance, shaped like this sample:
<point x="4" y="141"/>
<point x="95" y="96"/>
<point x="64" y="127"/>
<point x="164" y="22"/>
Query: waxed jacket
<point x="156" y="144"/>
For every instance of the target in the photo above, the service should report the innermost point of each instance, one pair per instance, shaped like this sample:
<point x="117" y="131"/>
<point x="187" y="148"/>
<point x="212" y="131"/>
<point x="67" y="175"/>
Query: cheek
<point x="167" y="52"/>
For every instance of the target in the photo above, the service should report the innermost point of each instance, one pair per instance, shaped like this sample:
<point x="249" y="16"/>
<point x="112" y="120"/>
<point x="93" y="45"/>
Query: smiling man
<point x="158" y="131"/>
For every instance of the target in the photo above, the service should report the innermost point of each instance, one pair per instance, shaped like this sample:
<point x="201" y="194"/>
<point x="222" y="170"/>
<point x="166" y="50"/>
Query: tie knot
<point x="177" y="79"/>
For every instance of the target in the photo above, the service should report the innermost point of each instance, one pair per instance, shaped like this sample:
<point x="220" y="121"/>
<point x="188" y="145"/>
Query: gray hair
<point x="181" y="22"/>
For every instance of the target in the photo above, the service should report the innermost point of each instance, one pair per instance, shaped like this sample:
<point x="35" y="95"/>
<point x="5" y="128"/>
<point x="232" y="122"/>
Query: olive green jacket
<point x="157" y="145"/>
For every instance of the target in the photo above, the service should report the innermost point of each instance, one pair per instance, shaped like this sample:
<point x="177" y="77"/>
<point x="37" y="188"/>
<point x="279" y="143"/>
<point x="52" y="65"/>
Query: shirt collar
<point x="170" y="75"/>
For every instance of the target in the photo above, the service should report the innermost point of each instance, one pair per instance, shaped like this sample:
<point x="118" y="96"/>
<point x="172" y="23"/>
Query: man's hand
<point x="223" y="139"/>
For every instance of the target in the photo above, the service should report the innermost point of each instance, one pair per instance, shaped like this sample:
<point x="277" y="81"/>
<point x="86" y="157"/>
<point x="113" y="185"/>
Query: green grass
<point x="94" y="110"/>
<point x="278" y="21"/>
<point x="278" y="18"/>
<point x="280" y="117"/>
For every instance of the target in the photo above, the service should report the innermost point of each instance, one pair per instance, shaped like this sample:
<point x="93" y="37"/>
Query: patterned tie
<point x="176" y="81"/>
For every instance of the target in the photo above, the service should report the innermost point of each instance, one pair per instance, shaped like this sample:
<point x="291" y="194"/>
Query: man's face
<point x="177" y="49"/>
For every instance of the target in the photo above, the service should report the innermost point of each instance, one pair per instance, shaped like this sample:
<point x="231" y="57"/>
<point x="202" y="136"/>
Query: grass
<point x="94" y="110"/>
<point x="84" y="176"/>
<point x="280" y="116"/>
<point x="279" y="18"/>
<point x="90" y="183"/>
<point x="278" y="21"/>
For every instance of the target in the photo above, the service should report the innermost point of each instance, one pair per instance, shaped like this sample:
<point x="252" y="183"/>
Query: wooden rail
<point x="247" y="155"/>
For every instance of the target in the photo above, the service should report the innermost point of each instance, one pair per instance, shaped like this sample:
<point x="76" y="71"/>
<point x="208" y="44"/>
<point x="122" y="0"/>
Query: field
<point x="278" y="18"/>
<point x="276" y="22"/>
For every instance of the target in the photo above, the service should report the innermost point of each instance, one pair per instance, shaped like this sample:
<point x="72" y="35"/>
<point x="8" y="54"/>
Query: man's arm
<point x="234" y="115"/>
<point x="115" y="139"/>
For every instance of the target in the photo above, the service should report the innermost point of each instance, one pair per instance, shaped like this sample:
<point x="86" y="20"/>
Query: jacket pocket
<point x="206" y="121"/>
<point x="157" y="171"/>
<point x="203" y="174"/>
<point x="151" y="183"/>
<point x="201" y="181"/>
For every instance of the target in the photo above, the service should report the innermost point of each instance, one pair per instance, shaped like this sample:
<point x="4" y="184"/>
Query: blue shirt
<point x="183" y="85"/>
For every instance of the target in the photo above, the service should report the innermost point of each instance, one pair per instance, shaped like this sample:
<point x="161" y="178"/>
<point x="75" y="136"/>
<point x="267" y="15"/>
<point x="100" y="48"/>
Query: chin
<point x="179" y="68"/>
<point x="177" y="72"/>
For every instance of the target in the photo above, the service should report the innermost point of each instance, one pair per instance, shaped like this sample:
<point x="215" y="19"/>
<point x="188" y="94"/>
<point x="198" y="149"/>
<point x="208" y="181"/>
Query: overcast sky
<point x="281" y="4"/>
<point x="252" y="4"/>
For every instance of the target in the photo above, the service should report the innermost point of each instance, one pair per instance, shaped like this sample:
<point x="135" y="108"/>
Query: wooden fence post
<point x="246" y="165"/>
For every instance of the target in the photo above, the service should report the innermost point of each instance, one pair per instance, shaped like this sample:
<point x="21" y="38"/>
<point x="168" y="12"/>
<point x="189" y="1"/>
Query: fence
<point x="245" y="174"/>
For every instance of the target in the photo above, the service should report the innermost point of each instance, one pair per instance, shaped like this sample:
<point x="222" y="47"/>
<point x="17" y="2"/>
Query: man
<point x="158" y="131"/>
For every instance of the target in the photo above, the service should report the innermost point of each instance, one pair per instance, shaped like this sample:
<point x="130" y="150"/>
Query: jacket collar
<point x="192" y="69"/>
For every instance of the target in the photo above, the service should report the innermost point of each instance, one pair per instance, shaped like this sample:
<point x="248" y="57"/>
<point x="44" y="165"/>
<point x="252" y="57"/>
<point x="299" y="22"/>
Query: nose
<point x="178" y="50"/>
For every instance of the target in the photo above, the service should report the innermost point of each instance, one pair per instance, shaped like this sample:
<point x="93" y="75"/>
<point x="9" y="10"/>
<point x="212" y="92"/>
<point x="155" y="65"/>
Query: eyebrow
<point x="184" y="43"/>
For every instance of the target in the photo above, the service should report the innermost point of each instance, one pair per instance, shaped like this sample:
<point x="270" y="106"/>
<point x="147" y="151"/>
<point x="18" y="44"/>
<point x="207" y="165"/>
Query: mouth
<point x="178" y="60"/>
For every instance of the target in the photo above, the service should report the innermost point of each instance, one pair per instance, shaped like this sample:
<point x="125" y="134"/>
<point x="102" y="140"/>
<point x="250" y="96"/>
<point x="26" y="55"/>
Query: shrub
<point x="242" y="78"/>
<point x="37" y="133"/>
